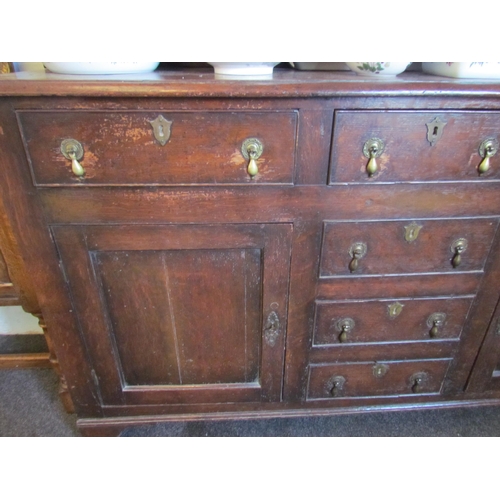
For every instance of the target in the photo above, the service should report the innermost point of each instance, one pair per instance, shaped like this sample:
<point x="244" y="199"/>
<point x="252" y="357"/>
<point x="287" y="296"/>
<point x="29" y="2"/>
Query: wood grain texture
<point x="360" y="380"/>
<point x="408" y="155"/>
<point x="163" y="303"/>
<point x="27" y="360"/>
<point x="387" y="251"/>
<point x="149" y="303"/>
<point x="373" y="322"/>
<point x="121" y="149"/>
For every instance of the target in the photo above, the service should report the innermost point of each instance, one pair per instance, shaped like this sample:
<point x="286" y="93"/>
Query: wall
<point x="14" y="320"/>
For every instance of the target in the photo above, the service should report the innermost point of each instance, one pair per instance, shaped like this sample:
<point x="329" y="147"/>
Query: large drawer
<point x="381" y="378"/>
<point x="121" y="148"/>
<point x="417" y="145"/>
<point x="352" y="248"/>
<point x="389" y="320"/>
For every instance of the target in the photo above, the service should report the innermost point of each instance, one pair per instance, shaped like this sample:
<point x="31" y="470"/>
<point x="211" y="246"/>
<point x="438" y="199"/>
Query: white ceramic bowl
<point x="378" y="69"/>
<point x="463" y="69"/>
<point x="244" y="68"/>
<point x="100" y="68"/>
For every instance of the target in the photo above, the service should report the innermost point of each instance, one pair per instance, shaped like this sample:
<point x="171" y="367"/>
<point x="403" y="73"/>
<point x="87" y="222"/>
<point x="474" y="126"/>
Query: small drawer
<point x="405" y="246"/>
<point x="381" y="378"/>
<point x="182" y="148"/>
<point x="389" y="320"/>
<point x="414" y="146"/>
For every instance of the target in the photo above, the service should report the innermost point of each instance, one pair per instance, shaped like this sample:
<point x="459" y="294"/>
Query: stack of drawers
<point x="396" y="295"/>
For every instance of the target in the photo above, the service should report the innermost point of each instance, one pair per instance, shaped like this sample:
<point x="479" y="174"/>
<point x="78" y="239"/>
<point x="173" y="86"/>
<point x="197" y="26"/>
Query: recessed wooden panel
<point x="408" y="154"/>
<point x="162" y="308"/>
<point x="121" y="149"/>
<point x="179" y="314"/>
<point x="388" y="252"/>
<point x="381" y="378"/>
<point x="389" y="320"/>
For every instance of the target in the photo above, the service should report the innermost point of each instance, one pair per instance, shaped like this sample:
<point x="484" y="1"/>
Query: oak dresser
<point x="309" y="244"/>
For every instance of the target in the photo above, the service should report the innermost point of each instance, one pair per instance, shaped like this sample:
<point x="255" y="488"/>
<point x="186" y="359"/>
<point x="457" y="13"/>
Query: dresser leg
<point x="64" y="393"/>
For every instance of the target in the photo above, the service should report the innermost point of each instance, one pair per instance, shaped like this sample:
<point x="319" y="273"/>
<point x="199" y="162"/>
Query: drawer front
<point x="383" y="378"/>
<point x="122" y="149"/>
<point x="417" y="146"/>
<point x="389" y="320"/>
<point x="405" y="247"/>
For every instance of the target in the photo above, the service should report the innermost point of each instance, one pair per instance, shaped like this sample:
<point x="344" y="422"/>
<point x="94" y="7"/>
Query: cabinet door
<point x="180" y="314"/>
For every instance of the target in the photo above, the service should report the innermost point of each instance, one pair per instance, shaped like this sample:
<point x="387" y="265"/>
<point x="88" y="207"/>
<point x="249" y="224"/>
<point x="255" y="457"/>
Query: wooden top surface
<point x="203" y="83"/>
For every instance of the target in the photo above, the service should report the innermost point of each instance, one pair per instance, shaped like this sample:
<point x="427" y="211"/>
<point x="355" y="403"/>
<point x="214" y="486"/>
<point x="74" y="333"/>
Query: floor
<point x="30" y="406"/>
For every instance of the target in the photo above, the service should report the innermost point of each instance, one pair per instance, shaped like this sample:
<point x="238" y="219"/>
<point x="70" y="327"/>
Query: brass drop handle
<point x="252" y="149"/>
<point x="344" y="326"/>
<point x="417" y="381"/>
<point x="458" y="248"/>
<point x="357" y="252"/>
<point x="435" y="321"/>
<point x="337" y="385"/>
<point x="417" y="385"/>
<point x="372" y="149"/>
<point x="73" y="150"/>
<point x="487" y="149"/>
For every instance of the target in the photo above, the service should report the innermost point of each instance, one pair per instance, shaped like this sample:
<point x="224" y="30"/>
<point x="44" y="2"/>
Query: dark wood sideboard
<point x="314" y="243"/>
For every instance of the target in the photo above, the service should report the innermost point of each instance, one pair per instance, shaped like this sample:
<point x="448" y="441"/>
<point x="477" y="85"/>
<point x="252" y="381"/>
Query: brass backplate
<point x="412" y="231"/>
<point x="395" y="309"/>
<point x="162" y="129"/>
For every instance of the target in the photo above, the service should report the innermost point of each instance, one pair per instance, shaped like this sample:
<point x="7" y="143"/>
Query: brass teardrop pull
<point x="344" y="326"/>
<point x="417" y="381"/>
<point x="76" y="168"/>
<point x="435" y="321"/>
<point x="252" y="149"/>
<point x="372" y="149"/>
<point x="357" y="252"/>
<point x="336" y="385"/>
<point x="73" y="150"/>
<point x="487" y="149"/>
<point x="458" y="248"/>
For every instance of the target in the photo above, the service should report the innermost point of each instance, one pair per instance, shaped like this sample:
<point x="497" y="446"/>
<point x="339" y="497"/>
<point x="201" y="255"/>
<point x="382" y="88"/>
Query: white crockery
<point x="463" y="69"/>
<point x="378" y="69"/>
<point x="100" y="68"/>
<point x="244" y="68"/>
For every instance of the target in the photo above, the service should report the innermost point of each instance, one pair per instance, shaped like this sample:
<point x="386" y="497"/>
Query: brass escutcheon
<point x="412" y="231"/>
<point x="271" y="330"/>
<point x="435" y="130"/>
<point x="380" y="369"/>
<point x="395" y="309"/>
<point x="162" y="129"/>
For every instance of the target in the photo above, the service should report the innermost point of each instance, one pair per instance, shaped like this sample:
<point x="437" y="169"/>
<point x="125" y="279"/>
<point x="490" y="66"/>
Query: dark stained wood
<point x="373" y="323"/>
<point x="315" y="130"/>
<point x="361" y="381"/>
<point x="148" y="299"/>
<point x="418" y="285"/>
<point x="387" y="251"/>
<point x="343" y="353"/>
<point x="27" y="360"/>
<point x="408" y="155"/>
<point x="159" y="274"/>
<point x="203" y="83"/>
<point x="121" y="149"/>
